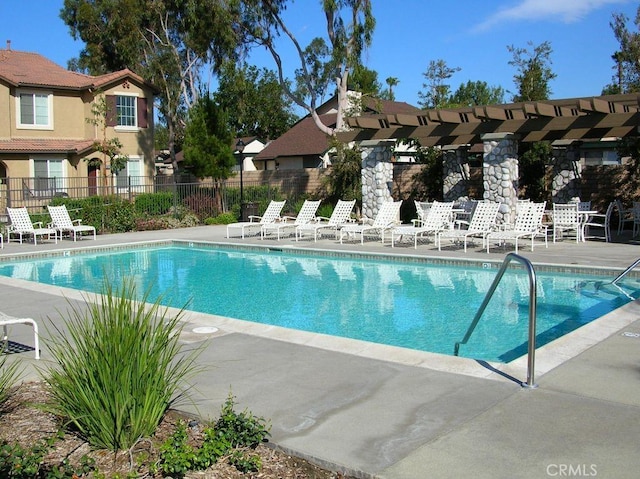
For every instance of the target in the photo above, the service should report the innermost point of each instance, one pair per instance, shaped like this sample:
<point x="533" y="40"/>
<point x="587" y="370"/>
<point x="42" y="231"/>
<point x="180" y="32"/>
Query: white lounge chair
<point x="437" y="219"/>
<point x="21" y="226"/>
<point x="307" y="214"/>
<point x="339" y="217"/>
<point x="483" y="222"/>
<point x="386" y="219"/>
<point x="271" y="215"/>
<point x="62" y="222"/>
<point x="6" y="320"/>
<point x="528" y="224"/>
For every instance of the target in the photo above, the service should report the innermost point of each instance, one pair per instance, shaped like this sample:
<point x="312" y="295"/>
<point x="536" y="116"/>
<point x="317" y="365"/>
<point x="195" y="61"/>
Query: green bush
<point x="231" y="435"/>
<point x="18" y="462"/>
<point x="223" y="219"/>
<point x="118" y="368"/>
<point x="241" y="429"/>
<point x="154" y="204"/>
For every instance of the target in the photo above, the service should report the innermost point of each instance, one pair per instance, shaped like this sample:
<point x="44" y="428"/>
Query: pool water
<point x="413" y="305"/>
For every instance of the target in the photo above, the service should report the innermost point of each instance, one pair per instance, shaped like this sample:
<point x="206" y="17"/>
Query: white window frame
<point x="34" y="126"/>
<point x="135" y="126"/>
<point x="60" y="181"/>
<point x="136" y="183"/>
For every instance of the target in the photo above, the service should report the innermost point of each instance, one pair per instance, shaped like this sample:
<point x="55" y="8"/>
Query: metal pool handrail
<point x="626" y="271"/>
<point x="533" y="295"/>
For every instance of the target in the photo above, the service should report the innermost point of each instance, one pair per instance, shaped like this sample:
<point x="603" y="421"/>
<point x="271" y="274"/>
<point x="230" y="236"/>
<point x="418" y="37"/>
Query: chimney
<point x="9" y="45"/>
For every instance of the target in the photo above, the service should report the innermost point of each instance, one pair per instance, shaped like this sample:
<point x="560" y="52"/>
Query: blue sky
<point x="469" y="34"/>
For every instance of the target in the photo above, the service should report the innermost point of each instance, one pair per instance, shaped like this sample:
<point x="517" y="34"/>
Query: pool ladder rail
<point x="622" y="275"/>
<point x="533" y="295"/>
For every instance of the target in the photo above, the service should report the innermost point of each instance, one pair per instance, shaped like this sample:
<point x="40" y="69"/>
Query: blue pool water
<point x="413" y="305"/>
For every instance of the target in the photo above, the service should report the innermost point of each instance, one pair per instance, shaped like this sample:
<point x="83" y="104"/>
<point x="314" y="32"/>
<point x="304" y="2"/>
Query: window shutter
<point x="142" y="113"/>
<point x="111" y="113"/>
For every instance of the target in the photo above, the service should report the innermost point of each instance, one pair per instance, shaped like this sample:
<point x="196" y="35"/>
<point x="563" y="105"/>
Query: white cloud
<point x="564" y="11"/>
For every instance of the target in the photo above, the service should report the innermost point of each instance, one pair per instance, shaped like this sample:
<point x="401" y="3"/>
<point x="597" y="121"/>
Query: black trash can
<point x="248" y="209"/>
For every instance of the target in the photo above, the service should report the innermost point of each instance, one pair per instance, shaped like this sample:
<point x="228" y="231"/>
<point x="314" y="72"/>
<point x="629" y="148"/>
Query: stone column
<point x="500" y="172"/>
<point x="455" y="171"/>
<point x="377" y="177"/>
<point x="567" y="171"/>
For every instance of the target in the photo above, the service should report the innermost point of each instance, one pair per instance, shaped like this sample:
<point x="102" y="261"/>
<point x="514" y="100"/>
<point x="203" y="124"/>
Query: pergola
<point x="607" y="116"/>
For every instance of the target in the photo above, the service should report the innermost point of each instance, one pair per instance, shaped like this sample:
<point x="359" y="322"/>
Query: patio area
<point x="377" y="411"/>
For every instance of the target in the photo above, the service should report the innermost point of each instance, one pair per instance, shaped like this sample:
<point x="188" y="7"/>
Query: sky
<point x="472" y="35"/>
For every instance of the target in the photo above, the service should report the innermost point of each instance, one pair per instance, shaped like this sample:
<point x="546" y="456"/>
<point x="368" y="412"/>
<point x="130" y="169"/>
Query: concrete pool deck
<point x="376" y="411"/>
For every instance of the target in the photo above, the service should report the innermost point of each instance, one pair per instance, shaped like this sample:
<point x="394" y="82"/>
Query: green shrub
<point x="241" y="429"/>
<point x="118" y="368"/>
<point x="231" y="435"/>
<point x="18" y="462"/>
<point x="223" y="219"/>
<point x="154" y="204"/>
<point x="325" y="210"/>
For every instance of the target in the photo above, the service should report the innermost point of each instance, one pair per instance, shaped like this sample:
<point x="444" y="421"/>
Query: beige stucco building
<point x="49" y="127"/>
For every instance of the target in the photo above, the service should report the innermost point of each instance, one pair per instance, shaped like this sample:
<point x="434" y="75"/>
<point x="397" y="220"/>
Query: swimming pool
<point x="416" y="305"/>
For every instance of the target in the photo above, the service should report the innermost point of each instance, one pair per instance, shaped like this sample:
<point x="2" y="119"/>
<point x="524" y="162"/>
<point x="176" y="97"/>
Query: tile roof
<point x="305" y="139"/>
<point x="388" y="107"/>
<point x="302" y="139"/>
<point x="38" y="145"/>
<point x="31" y="69"/>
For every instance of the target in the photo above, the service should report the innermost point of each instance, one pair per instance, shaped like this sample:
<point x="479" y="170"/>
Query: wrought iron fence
<point x="160" y="195"/>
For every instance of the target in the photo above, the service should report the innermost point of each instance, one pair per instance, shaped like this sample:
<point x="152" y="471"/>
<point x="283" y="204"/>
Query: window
<point x="131" y="176"/>
<point x="34" y="110"/>
<point x="48" y="178"/>
<point x="126" y="110"/>
<point x="601" y="157"/>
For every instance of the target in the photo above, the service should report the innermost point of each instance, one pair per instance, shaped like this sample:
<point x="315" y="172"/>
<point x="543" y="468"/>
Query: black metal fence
<point x="152" y="195"/>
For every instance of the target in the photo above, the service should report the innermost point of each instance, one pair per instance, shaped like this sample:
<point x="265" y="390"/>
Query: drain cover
<point x="205" y="330"/>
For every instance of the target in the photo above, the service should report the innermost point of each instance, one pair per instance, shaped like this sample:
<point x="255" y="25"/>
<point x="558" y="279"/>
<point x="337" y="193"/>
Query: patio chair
<point x="438" y="219"/>
<point x="566" y="220"/>
<point x="625" y="215"/>
<point x="271" y="215"/>
<point x="483" y="222"/>
<point x="597" y="221"/>
<point x="528" y="224"/>
<point x="340" y="216"/>
<point x="386" y="218"/>
<point x="21" y="225"/>
<point x="62" y="222"/>
<point x="307" y="214"/>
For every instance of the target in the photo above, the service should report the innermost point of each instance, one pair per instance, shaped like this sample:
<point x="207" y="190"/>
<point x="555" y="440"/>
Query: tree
<point x="208" y="141"/>
<point x="391" y="82"/>
<point x="436" y="92"/>
<point x="254" y="101"/>
<point x="627" y="59"/>
<point x="476" y="93"/>
<point x="350" y="25"/>
<point x="365" y="81"/>
<point x="533" y="71"/>
<point x="168" y="42"/>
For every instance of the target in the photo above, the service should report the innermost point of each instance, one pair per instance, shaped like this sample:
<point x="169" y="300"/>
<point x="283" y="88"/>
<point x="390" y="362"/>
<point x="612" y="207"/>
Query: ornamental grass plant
<point x="118" y="367"/>
<point x="9" y="375"/>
